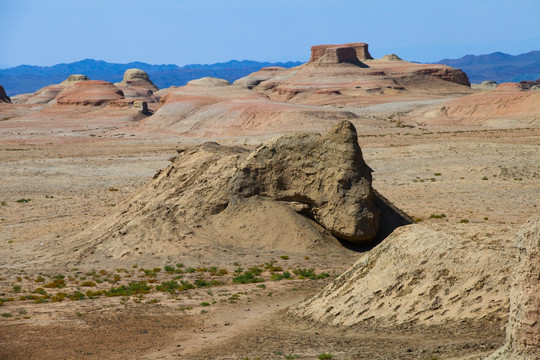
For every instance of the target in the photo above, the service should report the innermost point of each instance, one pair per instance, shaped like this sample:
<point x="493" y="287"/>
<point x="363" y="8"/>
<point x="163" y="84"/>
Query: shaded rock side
<point x="417" y="276"/>
<point x="3" y="95"/>
<point x="523" y="329"/>
<point x="326" y="173"/>
<point x="343" y="53"/>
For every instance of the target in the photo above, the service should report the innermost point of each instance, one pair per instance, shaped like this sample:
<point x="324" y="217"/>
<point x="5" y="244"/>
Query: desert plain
<point x="112" y="247"/>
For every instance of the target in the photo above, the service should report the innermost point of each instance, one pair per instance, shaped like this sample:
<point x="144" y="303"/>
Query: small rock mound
<point x="91" y="92"/>
<point x="137" y="78"/>
<point x="391" y="57"/>
<point x="509" y="86"/>
<point x="3" y="96"/>
<point x="75" y="78"/>
<point x="523" y="329"/>
<point x="209" y="82"/>
<point x="416" y="276"/>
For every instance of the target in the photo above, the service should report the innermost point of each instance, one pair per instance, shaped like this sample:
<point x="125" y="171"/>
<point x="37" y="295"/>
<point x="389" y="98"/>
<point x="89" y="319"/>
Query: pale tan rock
<point x="523" y="329"/>
<point x="417" y="276"/>
<point x="209" y="82"/>
<point x="137" y="78"/>
<point x="294" y="193"/>
<point x="326" y="173"/>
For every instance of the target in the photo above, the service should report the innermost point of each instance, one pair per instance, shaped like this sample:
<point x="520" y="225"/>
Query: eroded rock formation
<point x="523" y="329"/>
<point x="417" y="276"/>
<point x="91" y="92"/>
<point x="327" y="174"/>
<point x="291" y="194"/>
<point x="137" y="78"/>
<point x="353" y="52"/>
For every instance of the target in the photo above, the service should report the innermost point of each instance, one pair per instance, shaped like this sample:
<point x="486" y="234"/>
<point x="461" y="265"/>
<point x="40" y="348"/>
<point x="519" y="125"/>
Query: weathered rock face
<point x="345" y="52"/>
<point x="3" y="95"/>
<point x="91" y="92"/>
<point x="327" y="174"/>
<point x="523" y="329"/>
<point x="417" y="276"/>
<point x="137" y="78"/>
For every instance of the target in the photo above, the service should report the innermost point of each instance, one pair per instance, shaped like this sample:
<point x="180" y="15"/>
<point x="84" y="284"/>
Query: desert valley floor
<point x="469" y="181"/>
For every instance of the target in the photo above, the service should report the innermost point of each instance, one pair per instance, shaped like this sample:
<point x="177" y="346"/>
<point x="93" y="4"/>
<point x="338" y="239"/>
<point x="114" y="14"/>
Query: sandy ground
<point x="486" y="182"/>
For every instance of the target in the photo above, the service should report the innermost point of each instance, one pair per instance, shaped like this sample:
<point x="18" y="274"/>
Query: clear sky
<point x="47" y="32"/>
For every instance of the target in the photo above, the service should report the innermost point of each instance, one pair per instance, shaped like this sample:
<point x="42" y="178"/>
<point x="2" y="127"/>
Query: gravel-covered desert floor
<point x="474" y="183"/>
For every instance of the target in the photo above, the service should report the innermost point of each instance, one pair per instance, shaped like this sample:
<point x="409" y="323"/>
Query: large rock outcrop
<point x="295" y="193"/>
<point x="327" y="174"/>
<point x="523" y="329"/>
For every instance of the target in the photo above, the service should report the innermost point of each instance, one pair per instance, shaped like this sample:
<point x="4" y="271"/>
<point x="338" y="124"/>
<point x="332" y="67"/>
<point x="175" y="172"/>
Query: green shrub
<point x="40" y="291"/>
<point x="134" y="287"/>
<point x="77" y="295"/>
<point x="169" y="286"/>
<point x="246" y="278"/>
<point x="278" y="277"/>
<point x="305" y="273"/>
<point x="169" y="268"/>
<point x="23" y="200"/>
<point x="324" y="356"/>
<point x="88" y="283"/>
<point x="56" y="283"/>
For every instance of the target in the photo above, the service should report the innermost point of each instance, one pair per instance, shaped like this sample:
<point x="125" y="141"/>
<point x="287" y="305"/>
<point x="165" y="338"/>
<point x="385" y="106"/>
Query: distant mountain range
<point x="22" y="79"/>
<point x="498" y="66"/>
<point x="26" y="79"/>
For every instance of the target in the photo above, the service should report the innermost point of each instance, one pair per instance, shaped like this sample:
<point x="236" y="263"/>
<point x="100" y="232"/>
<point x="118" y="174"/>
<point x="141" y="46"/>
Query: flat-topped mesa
<point x="345" y="53"/>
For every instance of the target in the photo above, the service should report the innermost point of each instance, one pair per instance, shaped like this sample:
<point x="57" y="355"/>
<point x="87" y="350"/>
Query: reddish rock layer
<point x="346" y="50"/>
<point x="91" y="92"/>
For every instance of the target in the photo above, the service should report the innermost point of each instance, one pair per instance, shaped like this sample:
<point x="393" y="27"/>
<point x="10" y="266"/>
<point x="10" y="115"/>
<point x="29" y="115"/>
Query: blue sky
<point x="208" y="31"/>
